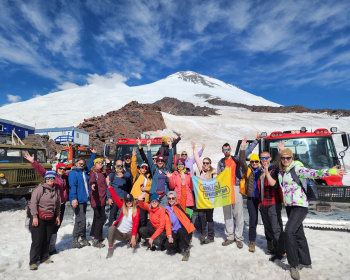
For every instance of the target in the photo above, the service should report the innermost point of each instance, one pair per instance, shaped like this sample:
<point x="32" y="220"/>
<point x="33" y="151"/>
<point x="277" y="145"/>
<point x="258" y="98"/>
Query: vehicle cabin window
<point x="1" y="127"/>
<point x="77" y="134"/>
<point x="63" y="157"/>
<point x="122" y="150"/>
<point x="3" y="155"/>
<point x="41" y="156"/>
<point x="13" y="156"/>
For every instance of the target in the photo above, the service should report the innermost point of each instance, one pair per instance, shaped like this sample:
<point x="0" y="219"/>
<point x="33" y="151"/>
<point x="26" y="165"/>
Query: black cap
<point x="128" y="197"/>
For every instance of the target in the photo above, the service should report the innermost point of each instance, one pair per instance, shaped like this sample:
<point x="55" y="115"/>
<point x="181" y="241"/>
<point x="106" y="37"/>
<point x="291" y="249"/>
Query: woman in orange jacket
<point x="177" y="224"/>
<point x="154" y="233"/>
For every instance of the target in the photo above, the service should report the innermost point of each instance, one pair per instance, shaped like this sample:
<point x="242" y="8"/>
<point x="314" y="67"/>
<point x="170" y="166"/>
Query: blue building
<point x="22" y="130"/>
<point x="63" y="135"/>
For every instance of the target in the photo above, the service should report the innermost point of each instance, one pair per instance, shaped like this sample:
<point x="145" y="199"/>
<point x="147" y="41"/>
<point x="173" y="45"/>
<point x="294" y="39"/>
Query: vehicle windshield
<point x="17" y="155"/>
<point x="63" y="156"/>
<point x="122" y="150"/>
<point x="313" y="152"/>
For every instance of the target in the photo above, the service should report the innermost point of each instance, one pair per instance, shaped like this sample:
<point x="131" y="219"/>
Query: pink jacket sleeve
<point x="41" y="170"/>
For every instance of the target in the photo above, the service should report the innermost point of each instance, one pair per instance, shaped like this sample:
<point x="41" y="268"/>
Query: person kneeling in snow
<point x="125" y="228"/>
<point x="155" y="232"/>
<point x="177" y="224"/>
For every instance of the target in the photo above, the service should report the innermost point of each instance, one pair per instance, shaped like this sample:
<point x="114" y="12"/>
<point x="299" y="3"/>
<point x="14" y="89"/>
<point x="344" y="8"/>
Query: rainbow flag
<point x="216" y="192"/>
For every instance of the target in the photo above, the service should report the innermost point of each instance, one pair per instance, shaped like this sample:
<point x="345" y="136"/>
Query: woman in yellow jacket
<point x="141" y="184"/>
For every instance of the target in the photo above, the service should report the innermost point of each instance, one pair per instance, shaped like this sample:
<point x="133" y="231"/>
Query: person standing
<point x="232" y="162"/>
<point x="120" y="180"/>
<point x="252" y="186"/>
<point x="296" y="202"/>
<point x="206" y="171"/>
<point x="160" y="181"/>
<point x="61" y="183"/>
<point x="79" y="195"/>
<point x="45" y="207"/>
<point x="190" y="161"/>
<point x="97" y="182"/>
<point x="165" y="148"/>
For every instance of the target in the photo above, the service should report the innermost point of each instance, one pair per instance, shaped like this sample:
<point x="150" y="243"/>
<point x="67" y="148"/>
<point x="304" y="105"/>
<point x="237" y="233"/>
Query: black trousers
<point x="41" y="235"/>
<point x="57" y="227"/>
<point x="273" y="225"/>
<point x="148" y="231"/>
<point x="205" y="217"/>
<point x="297" y="247"/>
<point x="113" y="214"/>
<point x="252" y="205"/>
<point x="98" y="222"/>
<point x="143" y="217"/>
<point x="181" y="240"/>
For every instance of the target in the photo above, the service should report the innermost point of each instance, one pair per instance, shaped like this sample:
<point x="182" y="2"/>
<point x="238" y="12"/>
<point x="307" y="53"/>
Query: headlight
<point x="3" y="181"/>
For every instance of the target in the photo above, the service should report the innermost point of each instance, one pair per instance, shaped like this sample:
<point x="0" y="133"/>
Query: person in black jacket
<point x="164" y="149"/>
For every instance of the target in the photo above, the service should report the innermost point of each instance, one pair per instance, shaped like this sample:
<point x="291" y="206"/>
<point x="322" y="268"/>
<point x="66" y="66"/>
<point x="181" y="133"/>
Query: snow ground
<point x="329" y="253"/>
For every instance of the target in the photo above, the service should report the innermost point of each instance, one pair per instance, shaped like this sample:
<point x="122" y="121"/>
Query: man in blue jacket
<point x="120" y="180"/>
<point x="79" y="195"/>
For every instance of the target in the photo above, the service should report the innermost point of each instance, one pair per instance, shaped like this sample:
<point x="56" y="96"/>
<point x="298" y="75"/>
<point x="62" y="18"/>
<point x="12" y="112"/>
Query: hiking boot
<point x="252" y="246"/>
<point x="227" y="242"/>
<point x="53" y="252"/>
<point x="162" y="247"/>
<point x="294" y="273"/>
<point x="153" y="248"/>
<point x="270" y="246"/>
<point x="207" y="241"/>
<point x="239" y="244"/>
<point x="301" y="266"/>
<point x="110" y="252"/>
<point x="202" y="239"/>
<point x="276" y="257"/>
<point x="76" y="244"/>
<point x="84" y="241"/>
<point x="186" y="255"/>
<point x="47" y="261"/>
<point x="98" y="244"/>
<point x="34" y="266"/>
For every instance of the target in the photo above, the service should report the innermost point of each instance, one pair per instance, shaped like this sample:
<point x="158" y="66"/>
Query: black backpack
<point x="307" y="185"/>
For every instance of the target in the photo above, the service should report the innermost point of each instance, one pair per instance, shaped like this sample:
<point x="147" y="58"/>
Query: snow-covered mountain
<point x="70" y="107"/>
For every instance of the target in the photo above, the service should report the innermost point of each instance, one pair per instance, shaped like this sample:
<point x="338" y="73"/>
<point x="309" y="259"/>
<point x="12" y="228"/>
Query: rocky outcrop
<point x="181" y="108"/>
<point x="129" y="121"/>
<point x="281" y="109"/>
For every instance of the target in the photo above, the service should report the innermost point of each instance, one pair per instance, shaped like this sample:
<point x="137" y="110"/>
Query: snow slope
<point x="70" y="107"/>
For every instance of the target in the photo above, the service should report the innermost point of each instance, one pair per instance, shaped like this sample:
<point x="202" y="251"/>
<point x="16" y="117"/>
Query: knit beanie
<point x="160" y="157"/>
<point x="173" y="193"/>
<point x="180" y="160"/>
<point x="50" y="173"/>
<point x="287" y="152"/>
<point x="254" y="157"/>
<point x="61" y="165"/>
<point x="154" y="196"/>
<point x="165" y="139"/>
<point x="97" y="159"/>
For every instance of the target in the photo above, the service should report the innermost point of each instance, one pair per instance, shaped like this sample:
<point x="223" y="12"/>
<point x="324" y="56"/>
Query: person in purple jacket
<point x="61" y="183"/>
<point x="190" y="161"/>
<point x="98" y="185"/>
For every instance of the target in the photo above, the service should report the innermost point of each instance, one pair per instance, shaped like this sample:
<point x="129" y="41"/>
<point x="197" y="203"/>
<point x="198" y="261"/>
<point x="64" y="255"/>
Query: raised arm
<point x="133" y="166"/>
<point x="176" y="141"/>
<point x="41" y="170"/>
<point x="242" y="156"/>
<point x="170" y="158"/>
<point x="196" y="157"/>
<point x="141" y="151"/>
<point x="93" y="157"/>
<point x="115" y="197"/>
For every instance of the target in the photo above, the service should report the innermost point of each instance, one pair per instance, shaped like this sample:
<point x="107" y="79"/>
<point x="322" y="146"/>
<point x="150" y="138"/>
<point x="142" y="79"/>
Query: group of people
<point x="155" y="190"/>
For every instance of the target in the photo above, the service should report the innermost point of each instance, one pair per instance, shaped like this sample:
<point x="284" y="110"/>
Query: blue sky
<point x="289" y="52"/>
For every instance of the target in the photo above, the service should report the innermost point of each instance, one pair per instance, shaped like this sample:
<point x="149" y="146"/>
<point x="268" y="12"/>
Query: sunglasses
<point x="61" y="168"/>
<point x="144" y="167"/>
<point x="119" y="165"/>
<point x="49" y="178"/>
<point x="160" y="161"/>
<point x="128" y="201"/>
<point x="206" y="163"/>
<point x="101" y="162"/>
<point x="226" y="150"/>
<point x="184" y="154"/>
<point x="154" y="159"/>
<point x="180" y="163"/>
<point x="127" y="158"/>
<point x="81" y="164"/>
<point x="254" y="161"/>
<point x="286" y="158"/>
<point x="261" y="158"/>
<point x="171" y="198"/>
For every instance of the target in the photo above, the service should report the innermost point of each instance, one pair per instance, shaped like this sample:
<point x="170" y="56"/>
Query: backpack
<point x="306" y="184"/>
<point x="242" y="188"/>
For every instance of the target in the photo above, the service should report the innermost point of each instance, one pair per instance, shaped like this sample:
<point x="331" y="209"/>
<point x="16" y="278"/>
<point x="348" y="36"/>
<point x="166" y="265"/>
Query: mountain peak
<point x="195" y="78"/>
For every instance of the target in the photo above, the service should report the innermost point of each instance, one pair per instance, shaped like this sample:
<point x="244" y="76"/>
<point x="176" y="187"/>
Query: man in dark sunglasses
<point x="79" y="195"/>
<point x="271" y="204"/>
<point x="232" y="162"/>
